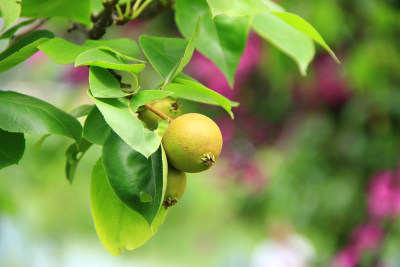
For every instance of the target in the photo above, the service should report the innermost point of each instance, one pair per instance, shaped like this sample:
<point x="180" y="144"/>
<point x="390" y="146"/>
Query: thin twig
<point x="157" y="112"/>
<point x="136" y="5"/>
<point x="128" y="9"/>
<point x="28" y="29"/>
<point x="137" y="12"/>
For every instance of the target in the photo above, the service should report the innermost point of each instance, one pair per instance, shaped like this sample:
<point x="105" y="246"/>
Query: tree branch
<point x="80" y="27"/>
<point x="104" y="20"/>
<point x="111" y="15"/>
<point x="28" y="29"/>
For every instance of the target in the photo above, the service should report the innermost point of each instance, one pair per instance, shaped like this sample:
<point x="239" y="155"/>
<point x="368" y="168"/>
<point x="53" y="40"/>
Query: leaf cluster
<point x="129" y="179"/>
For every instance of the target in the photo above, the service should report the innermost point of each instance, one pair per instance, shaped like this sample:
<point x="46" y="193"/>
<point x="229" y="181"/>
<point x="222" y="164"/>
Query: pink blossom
<point x="384" y="195"/>
<point x="363" y="238"/>
<point x="331" y="88"/>
<point x="367" y="236"/>
<point x="327" y="88"/>
<point x="396" y="193"/>
<point x="347" y="257"/>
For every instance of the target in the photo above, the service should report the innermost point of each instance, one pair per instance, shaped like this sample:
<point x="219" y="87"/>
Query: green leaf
<point x="10" y="32"/>
<point x="132" y="176"/>
<point x="117" y="226"/>
<point x="273" y="6"/>
<point x="164" y="54"/>
<point x="193" y="91"/>
<point x="221" y="39"/>
<point x="123" y="47"/>
<point x="96" y="129"/>
<point x="220" y="6"/>
<point x="78" y="10"/>
<point x="242" y="8"/>
<point x="23" y="49"/>
<point x="169" y="56"/>
<point x="103" y="84"/>
<point x="303" y="26"/>
<point x="26" y="114"/>
<point x="292" y="42"/>
<point x="189" y="49"/>
<point x="120" y="114"/>
<point x="12" y="146"/>
<point x="10" y="10"/>
<point x="78" y="112"/>
<point x="62" y="51"/>
<point x="106" y="59"/>
<point x="73" y="155"/>
<point x="81" y="111"/>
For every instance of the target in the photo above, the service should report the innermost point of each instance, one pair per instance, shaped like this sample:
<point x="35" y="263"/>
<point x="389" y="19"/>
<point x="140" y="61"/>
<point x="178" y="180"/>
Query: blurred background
<point x="309" y="174"/>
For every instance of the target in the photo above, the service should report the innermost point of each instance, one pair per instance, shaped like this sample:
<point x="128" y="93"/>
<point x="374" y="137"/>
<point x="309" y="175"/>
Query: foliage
<point x="128" y="182"/>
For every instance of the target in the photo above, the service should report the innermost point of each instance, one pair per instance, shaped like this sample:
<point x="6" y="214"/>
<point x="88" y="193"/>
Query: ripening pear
<point x="167" y="105"/>
<point x="176" y="184"/>
<point x="192" y="143"/>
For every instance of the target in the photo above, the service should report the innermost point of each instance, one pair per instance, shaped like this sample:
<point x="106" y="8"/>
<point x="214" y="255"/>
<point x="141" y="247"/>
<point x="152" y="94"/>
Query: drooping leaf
<point x="120" y="114"/>
<point x="242" y="8"/>
<point x="292" y="42"/>
<point x="194" y="91"/>
<point x="10" y="32"/>
<point x="78" y="10"/>
<point x="23" y="49"/>
<point x="73" y="155"/>
<point x="221" y="39"/>
<point x="26" y="114"/>
<point x="96" y="129"/>
<point x="163" y="53"/>
<point x="105" y="59"/>
<point x="123" y="47"/>
<point x="64" y="52"/>
<point x="78" y="112"/>
<point x="10" y="10"/>
<point x="103" y="84"/>
<point x="273" y="6"/>
<point x="220" y="6"/>
<point x="81" y="111"/>
<point x="61" y="51"/>
<point x="189" y="49"/>
<point x="169" y="56"/>
<point x="12" y="146"/>
<point x="303" y="26"/>
<point x="117" y="226"/>
<point x="133" y="176"/>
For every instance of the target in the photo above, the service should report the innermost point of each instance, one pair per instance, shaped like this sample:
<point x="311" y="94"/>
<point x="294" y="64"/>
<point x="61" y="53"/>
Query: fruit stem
<point x="157" y="112"/>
